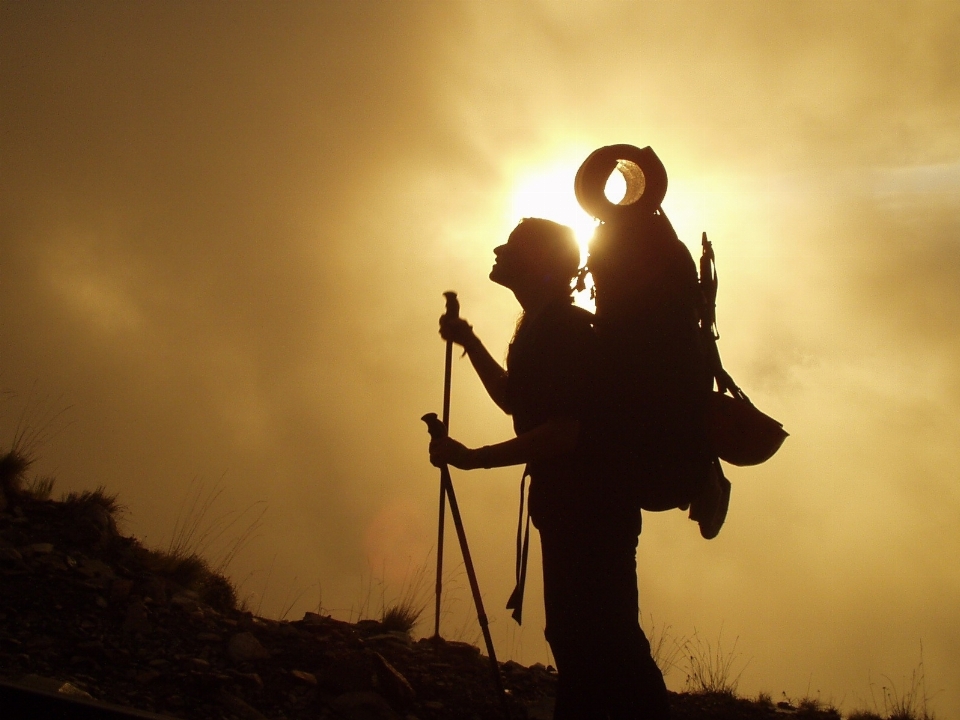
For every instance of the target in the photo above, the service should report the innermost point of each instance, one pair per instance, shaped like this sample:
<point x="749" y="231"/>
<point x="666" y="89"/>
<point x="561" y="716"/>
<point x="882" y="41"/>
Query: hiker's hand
<point x="457" y="330"/>
<point x="447" y="451"/>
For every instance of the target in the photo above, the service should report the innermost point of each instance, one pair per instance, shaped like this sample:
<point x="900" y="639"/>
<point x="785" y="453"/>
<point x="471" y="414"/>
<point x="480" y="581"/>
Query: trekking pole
<point x="453" y="311"/>
<point x="437" y="430"/>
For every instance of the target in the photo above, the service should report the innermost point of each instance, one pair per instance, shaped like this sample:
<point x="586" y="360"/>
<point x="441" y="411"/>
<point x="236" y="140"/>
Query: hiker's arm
<point x="555" y="437"/>
<point x="492" y="375"/>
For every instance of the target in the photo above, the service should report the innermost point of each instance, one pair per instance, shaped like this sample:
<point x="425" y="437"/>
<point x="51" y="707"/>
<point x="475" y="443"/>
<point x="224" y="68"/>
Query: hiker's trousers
<point x="604" y="667"/>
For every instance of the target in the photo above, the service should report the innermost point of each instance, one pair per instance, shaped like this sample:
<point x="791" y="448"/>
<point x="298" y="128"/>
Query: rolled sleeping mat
<point x="643" y="172"/>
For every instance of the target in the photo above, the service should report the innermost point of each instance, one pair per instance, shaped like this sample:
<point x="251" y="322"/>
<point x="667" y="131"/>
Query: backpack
<point x="661" y="424"/>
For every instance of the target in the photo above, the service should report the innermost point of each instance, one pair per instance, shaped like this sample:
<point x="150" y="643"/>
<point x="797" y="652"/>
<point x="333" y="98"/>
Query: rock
<point x="73" y="691"/>
<point x="348" y="672"/>
<point x="185" y="601"/>
<point x="362" y="706"/>
<point x="289" y="631"/>
<point x="37" y="549"/>
<point x="308" y="678"/>
<point x="95" y="568"/>
<point x="136" y="620"/>
<point x="146" y="676"/>
<point x="394" y="686"/>
<point x="40" y="642"/>
<point x="120" y="589"/>
<point x="239" y="707"/>
<point x="51" y="562"/>
<point x="10" y="556"/>
<point x="45" y="684"/>
<point x="252" y="678"/>
<point x="38" y="682"/>
<point x="311" y="618"/>
<point x="244" y="647"/>
<point x="462" y="648"/>
<point x="540" y="709"/>
<point x="394" y="636"/>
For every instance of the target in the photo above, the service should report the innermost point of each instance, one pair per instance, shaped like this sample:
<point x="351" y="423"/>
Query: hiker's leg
<point x="603" y="658"/>
<point x="568" y="631"/>
<point x="633" y="685"/>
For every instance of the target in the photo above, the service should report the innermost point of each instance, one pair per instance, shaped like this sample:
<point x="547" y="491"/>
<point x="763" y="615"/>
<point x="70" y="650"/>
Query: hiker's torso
<point x="551" y="372"/>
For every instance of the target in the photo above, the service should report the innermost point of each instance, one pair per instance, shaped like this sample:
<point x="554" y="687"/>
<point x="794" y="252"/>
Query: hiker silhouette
<point x="587" y="515"/>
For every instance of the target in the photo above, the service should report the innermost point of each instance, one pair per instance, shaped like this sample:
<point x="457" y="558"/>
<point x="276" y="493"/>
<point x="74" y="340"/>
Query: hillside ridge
<point x="86" y="611"/>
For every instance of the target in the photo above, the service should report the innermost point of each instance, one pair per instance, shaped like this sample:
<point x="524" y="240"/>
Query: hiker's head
<point x="540" y="256"/>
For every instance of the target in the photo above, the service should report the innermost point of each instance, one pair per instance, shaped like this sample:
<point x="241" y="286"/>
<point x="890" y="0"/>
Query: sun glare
<point x="549" y="194"/>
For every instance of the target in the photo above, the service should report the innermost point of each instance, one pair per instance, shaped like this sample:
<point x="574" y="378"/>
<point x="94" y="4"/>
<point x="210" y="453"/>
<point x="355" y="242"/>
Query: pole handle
<point x="435" y="426"/>
<point x="453" y="305"/>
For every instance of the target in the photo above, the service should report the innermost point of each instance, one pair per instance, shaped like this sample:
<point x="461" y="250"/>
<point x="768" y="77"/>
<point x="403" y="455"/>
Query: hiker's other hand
<point x="447" y="451"/>
<point x="456" y="329"/>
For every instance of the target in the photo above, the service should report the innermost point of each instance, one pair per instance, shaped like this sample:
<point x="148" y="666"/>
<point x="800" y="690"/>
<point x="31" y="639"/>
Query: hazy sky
<point x="225" y="230"/>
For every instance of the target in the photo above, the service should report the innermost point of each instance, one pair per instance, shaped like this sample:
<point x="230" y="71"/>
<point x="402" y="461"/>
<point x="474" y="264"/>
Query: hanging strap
<point x="709" y="281"/>
<point x="515" y="602"/>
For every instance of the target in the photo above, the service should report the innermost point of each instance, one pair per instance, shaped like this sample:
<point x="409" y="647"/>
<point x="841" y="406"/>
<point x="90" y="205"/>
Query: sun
<point x="548" y="193"/>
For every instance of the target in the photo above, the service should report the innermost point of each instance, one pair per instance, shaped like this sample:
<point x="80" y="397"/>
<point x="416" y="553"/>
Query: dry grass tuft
<point x="197" y="531"/>
<point x="816" y="706"/>
<point x="39" y="487"/>
<point x="193" y="573"/>
<point x="402" y="617"/>
<point x="99" y="497"/>
<point x="38" y="423"/>
<point x="709" y="668"/>
<point x="910" y="701"/>
<point x="404" y="614"/>
<point x="13" y="468"/>
<point x="664" y="649"/>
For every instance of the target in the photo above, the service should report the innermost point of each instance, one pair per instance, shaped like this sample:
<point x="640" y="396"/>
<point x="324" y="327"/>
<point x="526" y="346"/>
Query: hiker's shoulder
<point x="568" y="315"/>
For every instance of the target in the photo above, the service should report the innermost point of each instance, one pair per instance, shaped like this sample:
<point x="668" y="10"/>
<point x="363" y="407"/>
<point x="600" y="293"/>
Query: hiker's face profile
<point x="519" y="261"/>
<point x="510" y="262"/>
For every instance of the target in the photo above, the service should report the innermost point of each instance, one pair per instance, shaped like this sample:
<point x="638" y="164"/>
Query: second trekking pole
<point x="437" y="430"/>
<point x="453" y="311"/>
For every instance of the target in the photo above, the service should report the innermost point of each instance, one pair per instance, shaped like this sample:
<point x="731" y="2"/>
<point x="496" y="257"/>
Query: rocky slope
<point x="87" y="611"/>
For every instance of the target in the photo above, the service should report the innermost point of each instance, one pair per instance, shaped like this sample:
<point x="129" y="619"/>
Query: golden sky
<point x="225" y="230"/>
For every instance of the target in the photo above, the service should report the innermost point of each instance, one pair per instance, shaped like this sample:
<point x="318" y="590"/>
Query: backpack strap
<point x="709" y="281"/>
<point x="515" y="602"/>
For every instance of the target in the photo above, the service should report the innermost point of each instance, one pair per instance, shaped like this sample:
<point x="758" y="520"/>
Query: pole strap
<point x="515" y="602"/>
